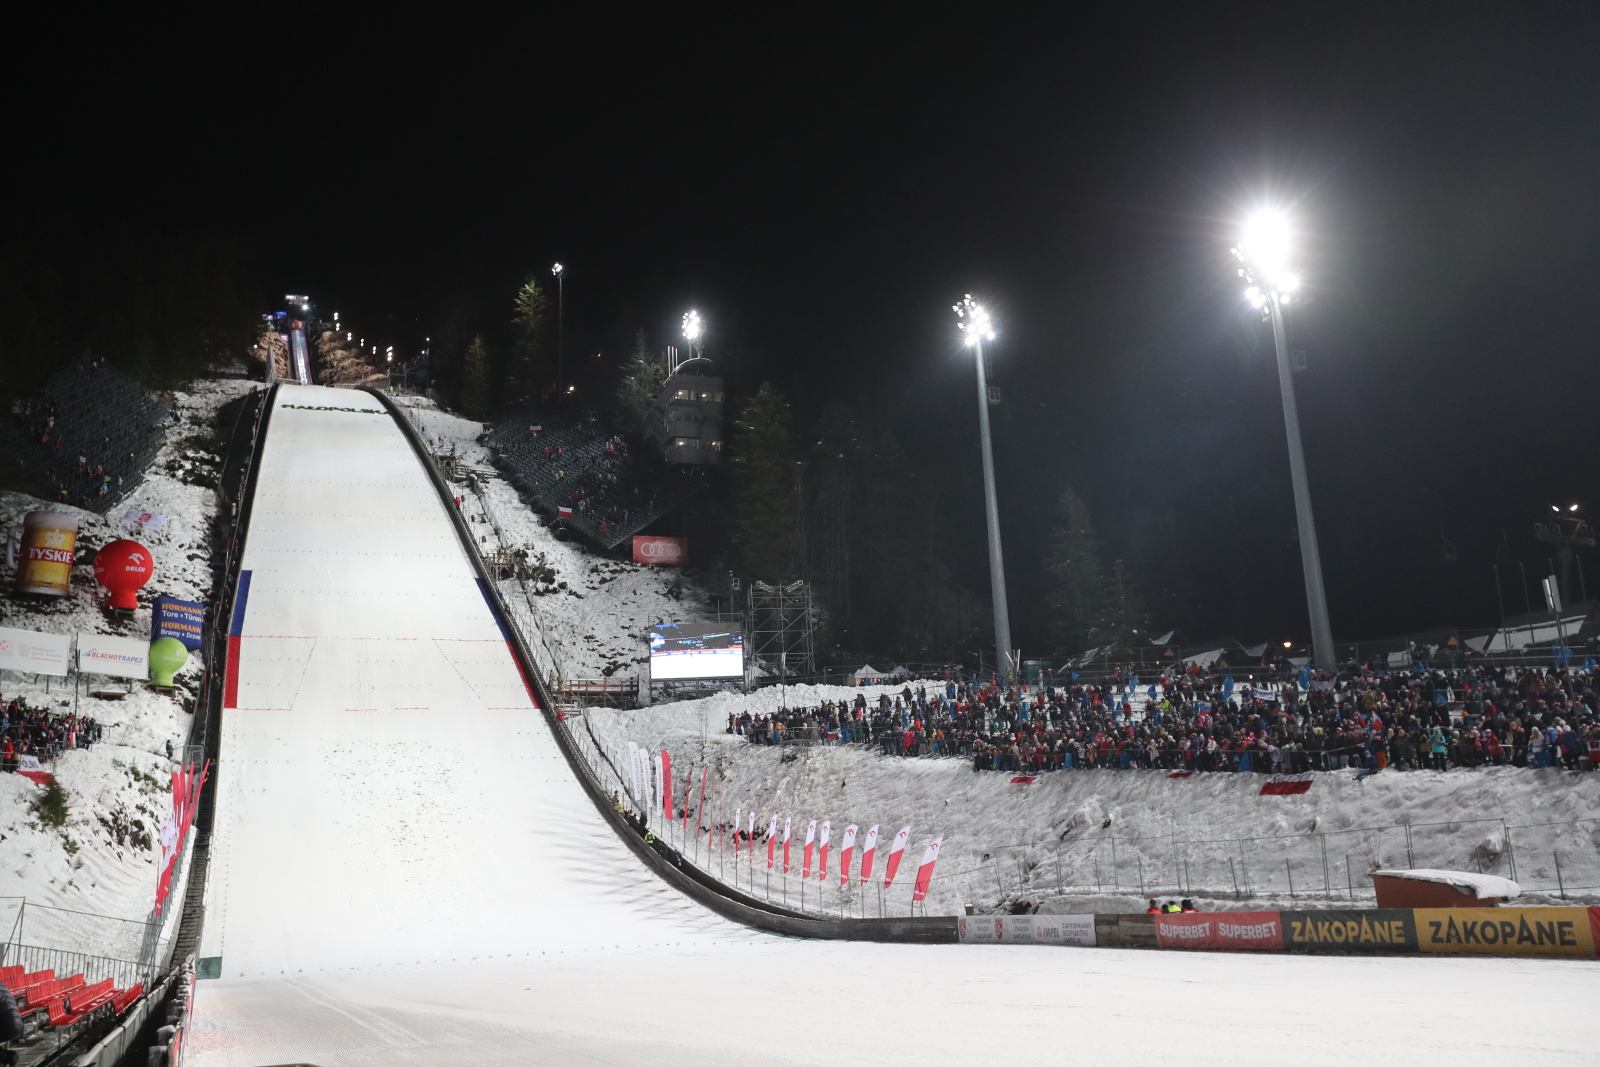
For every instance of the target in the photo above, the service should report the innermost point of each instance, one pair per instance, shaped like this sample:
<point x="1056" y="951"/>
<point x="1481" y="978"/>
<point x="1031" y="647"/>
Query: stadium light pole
<point x="977" y="327"/>
<point x="1264" y="252"/>
<point x="561" y="318"/>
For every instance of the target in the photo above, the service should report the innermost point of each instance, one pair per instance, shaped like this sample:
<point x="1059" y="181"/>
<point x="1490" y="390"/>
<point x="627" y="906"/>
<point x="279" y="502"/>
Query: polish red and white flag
<point x="845" y="848"/>
<point x="896" y="847"/>
<point x="786" y="824"/>
<point x="822" y="852"/>
<point x="867" y="852"/>
<point x="772" y="840"/>
<point x="805" y="860"/>
<point x="925" y="870"/>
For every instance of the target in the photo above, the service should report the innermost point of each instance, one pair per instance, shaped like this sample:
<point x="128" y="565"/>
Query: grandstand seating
<point x="86" y="440"/>
<point x="41" y="996"/>
<point x="580" y="464"/>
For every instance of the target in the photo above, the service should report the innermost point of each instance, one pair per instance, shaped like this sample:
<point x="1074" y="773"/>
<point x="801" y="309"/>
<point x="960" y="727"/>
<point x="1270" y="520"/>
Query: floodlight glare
<point x="692" y="326"/>
<point x="556" y="270"/>
<point x="975" y="322"/>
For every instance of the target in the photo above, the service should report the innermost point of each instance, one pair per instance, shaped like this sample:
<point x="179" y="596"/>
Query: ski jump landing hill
<point x="407" y="869"/>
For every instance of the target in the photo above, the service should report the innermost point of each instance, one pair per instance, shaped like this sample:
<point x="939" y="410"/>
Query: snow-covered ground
<point x="395" y="883"/>
<point x="1107" y="840"/>
<point x="593" y="612"/>
<point x="103" y="861"/>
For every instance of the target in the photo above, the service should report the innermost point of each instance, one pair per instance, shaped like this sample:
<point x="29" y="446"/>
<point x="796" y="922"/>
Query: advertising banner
<point x="125" y="657"/>
<point x="1366" y="930"/>
<point x="660" y="551"/>
<point x="1026" y="930"/>
<point x="1507" y="931"/>
<point x="1231" y="931"/>
<point x="44" y="561"/>
<point x="29" y="650"/>
<point x="183" y="619"/>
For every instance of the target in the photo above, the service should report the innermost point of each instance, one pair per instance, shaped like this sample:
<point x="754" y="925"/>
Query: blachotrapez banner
<point x="124" y="657"/>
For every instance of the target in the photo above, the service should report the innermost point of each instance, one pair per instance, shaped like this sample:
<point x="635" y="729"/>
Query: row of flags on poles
<point x="652" y="781"/>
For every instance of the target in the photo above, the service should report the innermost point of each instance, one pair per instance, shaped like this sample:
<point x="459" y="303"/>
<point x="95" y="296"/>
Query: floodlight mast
<point x="1264" y="252"/>
<point x="977" y="327"/>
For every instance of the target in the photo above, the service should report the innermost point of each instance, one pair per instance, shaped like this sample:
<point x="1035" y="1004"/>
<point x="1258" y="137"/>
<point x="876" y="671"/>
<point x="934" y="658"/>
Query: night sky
<point x="822" y="187"/>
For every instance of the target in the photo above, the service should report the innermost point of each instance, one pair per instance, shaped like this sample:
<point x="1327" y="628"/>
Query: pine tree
<point x="474" y="398"/>
<point x="1077" y="592"/>
<point x="767" y="484"/>
<point x="527" y="370"/>
<point x="642" y="379"/>
<point x="1122" y="618"/>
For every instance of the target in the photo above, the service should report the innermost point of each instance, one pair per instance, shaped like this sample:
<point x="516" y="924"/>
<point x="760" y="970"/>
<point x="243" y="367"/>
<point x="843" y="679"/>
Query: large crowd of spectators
<point x="1207" y="720"/>
<point x="39" y="732"/>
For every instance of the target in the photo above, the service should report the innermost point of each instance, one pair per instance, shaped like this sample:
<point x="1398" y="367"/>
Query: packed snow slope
<point x="406" y="872"/>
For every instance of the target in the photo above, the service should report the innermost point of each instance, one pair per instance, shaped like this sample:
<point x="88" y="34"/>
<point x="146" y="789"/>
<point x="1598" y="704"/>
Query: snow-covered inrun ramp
<point x="405" y="871"/>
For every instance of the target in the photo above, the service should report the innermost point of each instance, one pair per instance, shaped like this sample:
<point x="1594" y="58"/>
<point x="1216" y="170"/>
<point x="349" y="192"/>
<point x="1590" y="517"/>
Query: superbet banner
<point x="660" y="551"/>
<point x="1250" y="931"/>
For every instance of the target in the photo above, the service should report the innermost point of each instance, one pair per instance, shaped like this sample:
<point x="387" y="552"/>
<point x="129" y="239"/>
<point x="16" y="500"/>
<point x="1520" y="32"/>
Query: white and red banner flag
<point x="666" y="782"/>
<point x="845" y="849"/>
<point x="822" y="852"/>
<point x="811" y="838"/>
<point x="867" y="852"/>
<point x="772" y="840"/>
<point x="688" y="793"/>
<point x="700" y="813"/>
<point x="896" y="847"/>
<point x="738" y="817"/>
<point x="925" y="870"/>
<point x="786" y="824"/>
<point x="634" y="778"/>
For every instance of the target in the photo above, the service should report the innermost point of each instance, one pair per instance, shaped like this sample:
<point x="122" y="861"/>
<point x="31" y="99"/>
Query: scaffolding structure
<point x="781" y="624"/>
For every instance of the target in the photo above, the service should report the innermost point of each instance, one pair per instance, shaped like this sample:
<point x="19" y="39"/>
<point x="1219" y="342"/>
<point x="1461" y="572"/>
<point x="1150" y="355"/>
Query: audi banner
<point x="661" y="551"/>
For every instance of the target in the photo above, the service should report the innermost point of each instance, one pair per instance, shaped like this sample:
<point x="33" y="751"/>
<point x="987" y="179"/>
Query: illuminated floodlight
<point x="693" y="326"/>
<point x="557" y="269"/>
<point x="1266" y="252"/>
<point x="975" y="322"/>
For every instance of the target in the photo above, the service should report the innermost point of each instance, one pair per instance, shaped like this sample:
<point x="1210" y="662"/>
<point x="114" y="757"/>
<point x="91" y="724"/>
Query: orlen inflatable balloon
<point x="122" y="567"/>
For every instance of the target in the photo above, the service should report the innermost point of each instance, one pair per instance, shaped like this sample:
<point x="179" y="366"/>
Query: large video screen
<point x="684" y="651"/>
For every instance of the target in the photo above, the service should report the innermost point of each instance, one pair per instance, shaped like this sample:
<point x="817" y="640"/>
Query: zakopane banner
<point x="925" y="870"/>
<point x="867" y="852"/>
<point x="1508" y="931"/>
<point x="805" y="857"/>
<point x="1353" y="930"/>
<point x="845" y="848"/>
<point x="896" y="847"/>
<point x="822" y="852"/>
<point x="1234" y="931"/>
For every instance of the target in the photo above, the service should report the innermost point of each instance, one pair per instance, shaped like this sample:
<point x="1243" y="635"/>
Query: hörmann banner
<point x="1507" y="931"/>
<point x="1367" y="930"/>
<point x="661" y="551"/>
<point x="183" y="619"/>
<point x="1228" y="931"/>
